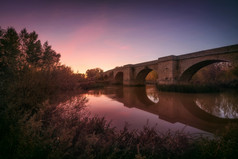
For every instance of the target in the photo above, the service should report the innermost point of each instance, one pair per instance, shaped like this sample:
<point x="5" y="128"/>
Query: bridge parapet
<point x="146" y="63"/>
<point x="168" y="58"/>
<point x="216" y="51"/>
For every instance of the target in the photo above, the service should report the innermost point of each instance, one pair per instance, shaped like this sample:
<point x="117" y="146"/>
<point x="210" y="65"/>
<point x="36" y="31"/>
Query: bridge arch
<point x="190" y="71"/>
<point x="142" y="74"/>
<point x="118" y="78"/>
<point x="105" y="77"/>
<point x="110" y="75"/>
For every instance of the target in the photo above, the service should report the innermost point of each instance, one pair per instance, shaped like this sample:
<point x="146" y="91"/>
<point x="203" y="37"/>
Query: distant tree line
<point x="96" y="73"/>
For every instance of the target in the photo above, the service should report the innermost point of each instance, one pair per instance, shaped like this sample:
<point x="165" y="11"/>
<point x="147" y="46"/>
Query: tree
<point x="9" y="50"/>
<point x="222" y="72"/>
<point x="24" y="40"/>
<point x="33" y="50"/>
<point x="35" y="54"/>
<point x="24" y="50"/>
<point x="80" y="77"/>
<point x="95" y="73"/>
<point x="50" y="57"/>
<point x="152" y="76"/>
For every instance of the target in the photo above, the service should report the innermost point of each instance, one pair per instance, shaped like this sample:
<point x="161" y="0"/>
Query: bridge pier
<point x="128" y="78"/>
<point x="168" y="70"/>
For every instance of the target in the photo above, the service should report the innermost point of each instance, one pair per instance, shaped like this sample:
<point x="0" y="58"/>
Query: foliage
<point x="223" y="146"/>
<point x="216" y="74"/>
<point x="29" y="75"/>
<point x="213" y="78"/>
<point x="152" y="76"/>
<point x="18" y="51"/>
<point x="49" y="57"/>
<point x="9" y="51"/>
<point x="95" y="73"/>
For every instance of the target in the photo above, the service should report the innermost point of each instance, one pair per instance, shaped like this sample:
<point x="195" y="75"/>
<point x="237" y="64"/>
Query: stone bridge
<point x="172" y="69"/>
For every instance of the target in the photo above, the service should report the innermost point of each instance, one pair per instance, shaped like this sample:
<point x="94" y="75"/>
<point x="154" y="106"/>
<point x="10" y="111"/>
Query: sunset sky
<point x="106" y="34"/>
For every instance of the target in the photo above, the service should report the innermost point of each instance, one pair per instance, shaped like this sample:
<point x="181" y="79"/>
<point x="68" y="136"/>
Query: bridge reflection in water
<point x="206" y="112"/>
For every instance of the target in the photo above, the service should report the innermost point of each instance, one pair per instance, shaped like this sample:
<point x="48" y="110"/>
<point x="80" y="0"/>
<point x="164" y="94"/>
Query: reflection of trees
<point x="224" y="105"/>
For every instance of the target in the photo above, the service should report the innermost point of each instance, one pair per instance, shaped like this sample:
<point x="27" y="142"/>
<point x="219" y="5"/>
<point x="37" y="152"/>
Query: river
<point x="205" y="113"/>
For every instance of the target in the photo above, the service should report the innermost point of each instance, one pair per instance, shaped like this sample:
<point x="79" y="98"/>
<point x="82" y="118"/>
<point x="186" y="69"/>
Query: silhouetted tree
<point x="80" y="77"/>
<point x="24" y="38"/>
<point x="33" y="49"/>
<point x="23" y="50"/>
<point x="9" y="51"/>
<point x="50" y="57"/>
<point x="94" y="73"/>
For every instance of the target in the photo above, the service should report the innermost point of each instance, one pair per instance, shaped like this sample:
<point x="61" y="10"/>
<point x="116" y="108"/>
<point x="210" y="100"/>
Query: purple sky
<point x="112" y="33"/>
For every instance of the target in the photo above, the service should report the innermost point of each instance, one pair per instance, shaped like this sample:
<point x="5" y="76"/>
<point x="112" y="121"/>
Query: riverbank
<point x="198" y="88"/>
<point x="87" y="85"/>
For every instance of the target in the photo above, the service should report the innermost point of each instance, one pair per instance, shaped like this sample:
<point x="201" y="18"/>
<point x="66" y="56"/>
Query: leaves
<point x="18" y="51"/>
<point x="94" y="73"/>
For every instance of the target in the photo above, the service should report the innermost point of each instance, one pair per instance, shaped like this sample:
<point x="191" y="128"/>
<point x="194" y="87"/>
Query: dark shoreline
<point x="205" y="88"/>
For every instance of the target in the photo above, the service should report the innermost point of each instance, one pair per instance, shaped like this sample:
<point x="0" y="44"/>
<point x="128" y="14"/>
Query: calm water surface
<point x="138" y="106"/>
